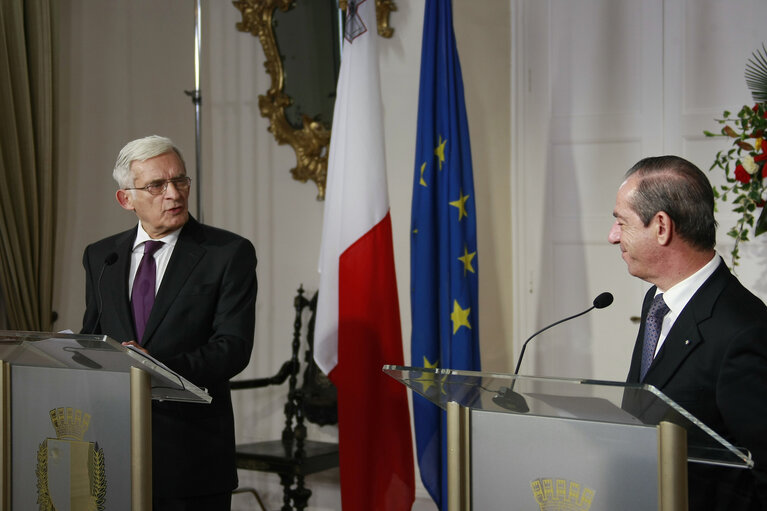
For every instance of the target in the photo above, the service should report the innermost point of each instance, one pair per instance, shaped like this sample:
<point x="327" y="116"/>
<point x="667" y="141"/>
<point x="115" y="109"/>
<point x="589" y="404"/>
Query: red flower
<point x="760" y="157"/>
<point x="741" y="175"/>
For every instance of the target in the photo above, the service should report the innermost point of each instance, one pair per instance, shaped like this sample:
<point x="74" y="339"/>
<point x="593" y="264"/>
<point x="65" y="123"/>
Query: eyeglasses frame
<point x="176" y="182"/>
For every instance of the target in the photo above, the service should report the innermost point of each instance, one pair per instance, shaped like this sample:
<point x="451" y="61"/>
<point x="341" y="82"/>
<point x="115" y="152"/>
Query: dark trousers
<point x="217" y="502"/>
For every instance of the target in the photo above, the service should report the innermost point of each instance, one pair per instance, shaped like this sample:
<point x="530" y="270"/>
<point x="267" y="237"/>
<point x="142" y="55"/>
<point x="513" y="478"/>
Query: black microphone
<point x="109" y="260"/>
<point x="600" y="302"/>
<point x="514" y="401"/>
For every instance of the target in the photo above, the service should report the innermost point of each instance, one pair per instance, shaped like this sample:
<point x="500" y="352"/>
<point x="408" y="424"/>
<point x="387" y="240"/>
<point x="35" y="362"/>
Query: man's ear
<point x="125" y="199"/>
<point x="664" y="228"/>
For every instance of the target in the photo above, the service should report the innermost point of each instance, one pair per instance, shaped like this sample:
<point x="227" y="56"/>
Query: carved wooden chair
<point x="293" y="457"/>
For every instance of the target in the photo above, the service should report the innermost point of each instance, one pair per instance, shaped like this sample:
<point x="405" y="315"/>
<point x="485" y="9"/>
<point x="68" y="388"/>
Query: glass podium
<point x="549" y="443"/>
<point x="76" y="414"/>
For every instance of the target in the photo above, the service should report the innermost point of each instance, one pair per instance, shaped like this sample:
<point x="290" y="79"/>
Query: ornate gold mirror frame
<point x="312" y="140"/>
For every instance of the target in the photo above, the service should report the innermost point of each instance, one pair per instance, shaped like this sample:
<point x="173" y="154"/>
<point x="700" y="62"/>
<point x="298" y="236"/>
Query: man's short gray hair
<point x="139" y="150"/>
<point x="676" y="186"/>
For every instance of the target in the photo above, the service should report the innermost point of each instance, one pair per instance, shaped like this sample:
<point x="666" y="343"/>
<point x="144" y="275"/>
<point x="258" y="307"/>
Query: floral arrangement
<point x="744" y="164"/>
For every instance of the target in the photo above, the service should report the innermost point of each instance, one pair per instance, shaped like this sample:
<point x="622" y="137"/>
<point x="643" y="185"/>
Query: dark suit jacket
<point x="714" y="364"/>
<point x="201" y="326"/>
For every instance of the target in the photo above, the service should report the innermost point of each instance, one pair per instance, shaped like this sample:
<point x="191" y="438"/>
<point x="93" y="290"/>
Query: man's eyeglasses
<point x="158" y="187"/>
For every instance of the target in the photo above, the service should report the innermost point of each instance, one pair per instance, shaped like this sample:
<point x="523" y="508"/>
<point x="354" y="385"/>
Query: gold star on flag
<point x="439" y="151"/>
<point x="422" y="182"/>
<point x="466" y="259"/>
<point x="460" y="317"/>
<point x="461" y="205"/>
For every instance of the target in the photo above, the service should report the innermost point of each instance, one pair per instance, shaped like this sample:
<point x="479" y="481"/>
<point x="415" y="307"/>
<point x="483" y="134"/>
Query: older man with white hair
<point x="185" y="293"/>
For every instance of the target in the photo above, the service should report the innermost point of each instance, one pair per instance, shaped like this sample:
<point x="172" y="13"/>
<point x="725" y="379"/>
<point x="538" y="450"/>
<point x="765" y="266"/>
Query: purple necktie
<point x="652" y="328"/>
<point x="143" y="288"/>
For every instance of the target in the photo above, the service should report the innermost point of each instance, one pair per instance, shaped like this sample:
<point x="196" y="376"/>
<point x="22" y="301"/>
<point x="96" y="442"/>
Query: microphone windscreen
<point x="110" y="259"/>
<point x="603" y="300"/>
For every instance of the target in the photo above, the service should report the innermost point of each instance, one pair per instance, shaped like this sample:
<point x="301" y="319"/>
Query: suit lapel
<point x="115" y="283"/>
<point x="186" y="255"/>
<point x="685" y="336"/>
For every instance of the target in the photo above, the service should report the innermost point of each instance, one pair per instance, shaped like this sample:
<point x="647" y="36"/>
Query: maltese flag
<point x="358" y="328"/>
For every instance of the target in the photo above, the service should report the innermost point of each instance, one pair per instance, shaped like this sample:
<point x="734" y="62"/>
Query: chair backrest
<point x="320" y="398"/>
<point x="316" y="399"/>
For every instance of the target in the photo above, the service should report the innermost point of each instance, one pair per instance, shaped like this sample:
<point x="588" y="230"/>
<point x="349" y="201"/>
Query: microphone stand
<point x="514" y="401"/>
<point x="524" y="346"/>
<point x="196" y="96"/>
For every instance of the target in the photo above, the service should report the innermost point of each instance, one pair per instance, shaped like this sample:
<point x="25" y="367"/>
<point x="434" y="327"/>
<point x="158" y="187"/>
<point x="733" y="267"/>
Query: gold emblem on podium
<point x="561" y="495"/>
<point x="69" y="469"/>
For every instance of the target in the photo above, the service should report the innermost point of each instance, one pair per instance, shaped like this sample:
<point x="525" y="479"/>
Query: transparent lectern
<point x="527" y="443"/>
<point x="76" y="421"/>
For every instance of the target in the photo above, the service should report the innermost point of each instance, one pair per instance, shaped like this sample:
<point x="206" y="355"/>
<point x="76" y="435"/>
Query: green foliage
<point x="743" y="166"/>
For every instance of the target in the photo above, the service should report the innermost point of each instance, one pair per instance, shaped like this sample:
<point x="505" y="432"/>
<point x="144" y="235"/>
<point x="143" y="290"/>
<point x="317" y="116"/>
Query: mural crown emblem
<point x="70" y="423"/>
<point x="561" y="495"/>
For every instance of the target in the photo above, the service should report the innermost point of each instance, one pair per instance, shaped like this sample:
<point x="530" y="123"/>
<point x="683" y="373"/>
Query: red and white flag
<point x="358" y="325"/>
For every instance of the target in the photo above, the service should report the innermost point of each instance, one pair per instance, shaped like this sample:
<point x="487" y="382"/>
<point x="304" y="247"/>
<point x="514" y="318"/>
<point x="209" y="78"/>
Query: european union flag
<point x="443" y="248"/>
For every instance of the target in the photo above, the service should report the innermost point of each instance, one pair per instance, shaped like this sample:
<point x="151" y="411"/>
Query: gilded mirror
<point x="302" y="42"/>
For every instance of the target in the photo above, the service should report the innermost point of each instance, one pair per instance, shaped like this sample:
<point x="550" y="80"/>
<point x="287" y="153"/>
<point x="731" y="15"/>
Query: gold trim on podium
<point x="458" y="457"/>
<point x="672" y="467"/>
<point x="141" y="439"/>
<point x="5" y="436"/>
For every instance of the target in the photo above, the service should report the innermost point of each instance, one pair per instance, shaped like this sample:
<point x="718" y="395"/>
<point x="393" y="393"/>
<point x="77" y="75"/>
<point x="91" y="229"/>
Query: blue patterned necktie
<point x="144" y="283"/>
<point x="653" y="325"/>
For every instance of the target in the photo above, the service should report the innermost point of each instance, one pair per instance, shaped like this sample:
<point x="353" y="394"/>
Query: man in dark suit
<point x="709" y="348"/>
<point x="197" y="315"/>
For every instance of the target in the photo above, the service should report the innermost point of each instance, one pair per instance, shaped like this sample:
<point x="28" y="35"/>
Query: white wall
<point x="123" y="67"/>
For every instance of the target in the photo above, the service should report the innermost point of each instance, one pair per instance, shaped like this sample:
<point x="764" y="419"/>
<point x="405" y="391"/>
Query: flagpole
<point x="196" y="96"/>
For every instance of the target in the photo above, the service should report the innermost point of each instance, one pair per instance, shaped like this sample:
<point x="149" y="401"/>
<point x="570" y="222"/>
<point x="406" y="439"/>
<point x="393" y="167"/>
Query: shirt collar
<point x="679" y="294"/>
<point x="168" y="239"/>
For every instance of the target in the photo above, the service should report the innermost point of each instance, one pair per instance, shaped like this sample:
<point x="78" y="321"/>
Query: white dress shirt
<point x="161" y="256"/>
<point x="677" y="296"/>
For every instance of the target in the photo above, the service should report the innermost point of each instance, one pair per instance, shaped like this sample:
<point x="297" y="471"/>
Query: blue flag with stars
<point x="443" y="248"/>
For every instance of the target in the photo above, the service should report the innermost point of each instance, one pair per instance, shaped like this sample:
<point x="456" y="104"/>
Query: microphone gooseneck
<point x="109" y="260"/>
<point x="514" y="401"/>
<point x="600" y="302"/>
